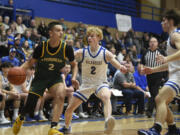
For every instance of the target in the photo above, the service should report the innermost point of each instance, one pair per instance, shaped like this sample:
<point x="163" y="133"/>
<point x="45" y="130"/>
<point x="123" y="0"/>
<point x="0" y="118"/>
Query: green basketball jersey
<point x="49" y="64"/>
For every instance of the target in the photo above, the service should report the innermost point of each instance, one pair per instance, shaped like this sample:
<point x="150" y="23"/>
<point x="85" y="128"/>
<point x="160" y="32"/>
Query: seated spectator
<point x="9" y="90"/>
<point x="10" y="38"/>
<point x="6" y="22"/>
<point x="121" y="54"/>
<point x="20" y="55"/>
<point x="36" y="38"/>
<point x="42" y="29"/>
<point x="11" y="58"/>
<point x="140" y="80"/>
<point x="130" y="90"/>
<point x="127" y="60"/>
<point x="26" y="37"/>
<point x="20" y="27"/>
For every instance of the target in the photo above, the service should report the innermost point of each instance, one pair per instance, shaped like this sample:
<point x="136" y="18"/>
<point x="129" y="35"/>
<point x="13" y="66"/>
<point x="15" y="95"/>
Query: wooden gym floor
<point x="125" y="125"/>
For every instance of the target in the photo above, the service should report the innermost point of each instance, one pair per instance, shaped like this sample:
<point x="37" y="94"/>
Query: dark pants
<point x="129" y="95"/>
<point x="154" y="83"/>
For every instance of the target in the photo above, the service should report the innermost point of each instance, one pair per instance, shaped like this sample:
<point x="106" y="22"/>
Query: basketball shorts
<point x="86" y="91"/>
<point x="38" y="86"/>
<point x="174" y="83"/>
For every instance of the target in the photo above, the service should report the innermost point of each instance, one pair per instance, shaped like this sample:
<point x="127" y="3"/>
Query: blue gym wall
<point x="55" y="10"/>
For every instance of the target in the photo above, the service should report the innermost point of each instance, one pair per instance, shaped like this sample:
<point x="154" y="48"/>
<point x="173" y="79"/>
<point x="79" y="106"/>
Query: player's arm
<point x="149" y="70"/>
<point x="111" y="58"/>
<point x="36" y="55"/>
<point x="71" y="57"/>
<point x="175" y="40"/>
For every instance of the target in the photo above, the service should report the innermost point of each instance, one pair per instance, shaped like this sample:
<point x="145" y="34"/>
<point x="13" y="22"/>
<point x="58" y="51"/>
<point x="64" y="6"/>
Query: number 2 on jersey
<point x="51" y="67"/>
<point x="93" y="68"/>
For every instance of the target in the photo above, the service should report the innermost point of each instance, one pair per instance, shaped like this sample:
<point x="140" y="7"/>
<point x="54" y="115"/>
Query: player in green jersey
<point x="50" y="58"/>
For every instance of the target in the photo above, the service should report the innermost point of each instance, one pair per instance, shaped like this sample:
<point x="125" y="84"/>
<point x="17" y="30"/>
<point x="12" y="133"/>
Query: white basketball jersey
<point x="5" y="82"/>
<point x="94" y="67"/>
<point x="173" y="66"/>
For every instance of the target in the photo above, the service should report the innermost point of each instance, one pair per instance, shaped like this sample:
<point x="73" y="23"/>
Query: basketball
<point x="16" y="75"/>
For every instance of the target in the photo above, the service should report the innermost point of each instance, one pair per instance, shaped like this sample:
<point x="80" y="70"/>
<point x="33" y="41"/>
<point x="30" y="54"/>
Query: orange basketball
<point x="16" y="75"/>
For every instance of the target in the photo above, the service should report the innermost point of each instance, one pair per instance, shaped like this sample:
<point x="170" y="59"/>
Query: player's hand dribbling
<point x="123" y="69"/>
<point x="75" y="84"/>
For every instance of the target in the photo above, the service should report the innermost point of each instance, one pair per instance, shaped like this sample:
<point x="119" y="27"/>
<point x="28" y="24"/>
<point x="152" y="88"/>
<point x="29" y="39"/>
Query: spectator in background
<point x="9" y="90"/>
<point x="130" y="90"/>
<point x="13" y="28"/>
<point x="6" y="22"/>
<point x="42" y="29"/>
<point x="61" y="21"/>
<point x="117" y="42"/>
<point x="11" y="58"/>
<point x="146" y="40"/>
<point x="121" y="54"/>
<point x="107" y="34"/>
<point x="26" y="37"/>
<point x="20" y="55"/>
<point x="127" y="60"/>
<point x="32" y="24"/>
<point x="140" y="79"/>
<point x="133" y="55"/>
<point x="20" y="27"/>
<point x="10" y="38"/>
<point x="36" y="38"/>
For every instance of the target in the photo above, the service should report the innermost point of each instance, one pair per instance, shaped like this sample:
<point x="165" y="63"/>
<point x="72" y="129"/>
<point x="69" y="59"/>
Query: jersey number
<point x="51" y="67"/>
<point x="93" y="68"/>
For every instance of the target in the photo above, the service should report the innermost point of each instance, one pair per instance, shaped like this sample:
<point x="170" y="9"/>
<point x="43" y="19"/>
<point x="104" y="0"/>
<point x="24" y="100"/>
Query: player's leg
<point x="172" y="129"/>
<point x="165" y="96"/>
<point x="28" y="108"/>
<point x="2" y="107"/>
<point x="58" y="92"/>
<point x="105" y="94"/>
<point x="77" y="99"/>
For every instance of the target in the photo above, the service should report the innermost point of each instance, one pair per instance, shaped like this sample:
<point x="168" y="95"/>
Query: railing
<point x="16" y="11"/>
<point x="127" y="7"/>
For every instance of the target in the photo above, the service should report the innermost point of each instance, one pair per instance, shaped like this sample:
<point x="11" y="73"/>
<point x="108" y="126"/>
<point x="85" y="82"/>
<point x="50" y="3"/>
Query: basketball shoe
<point x="17" y="125"/>
<point x="109" y="125"/>
<point x="54" y="131"/>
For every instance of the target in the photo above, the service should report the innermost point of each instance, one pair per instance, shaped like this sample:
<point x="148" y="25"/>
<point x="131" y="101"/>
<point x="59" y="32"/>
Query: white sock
<point x="16" y="110"/>
<point x="41" y="112"/>
<point x="2" y="114"/>
<point x="36" y="113"/>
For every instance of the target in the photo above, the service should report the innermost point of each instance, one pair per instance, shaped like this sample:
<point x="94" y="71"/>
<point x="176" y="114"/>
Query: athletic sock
<point x="172" y="127"/>
<point x="158" y="127"/>
<point x="53" y="124"/>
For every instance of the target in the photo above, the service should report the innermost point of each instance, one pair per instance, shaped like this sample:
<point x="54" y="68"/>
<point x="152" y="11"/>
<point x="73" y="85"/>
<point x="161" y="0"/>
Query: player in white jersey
<point x="94" y="60"/>
<point x="172" y="87"/>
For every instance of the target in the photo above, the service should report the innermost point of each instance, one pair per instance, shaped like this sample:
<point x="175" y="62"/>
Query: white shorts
<point x="86" y="91"/>
<point x="174" y="82"/>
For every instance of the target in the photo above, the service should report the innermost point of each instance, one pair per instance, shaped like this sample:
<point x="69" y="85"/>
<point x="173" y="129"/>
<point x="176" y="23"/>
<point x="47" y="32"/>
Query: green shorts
<point x="39" y="85"/>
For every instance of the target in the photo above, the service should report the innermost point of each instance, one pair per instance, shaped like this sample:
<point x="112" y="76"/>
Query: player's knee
<point x="69" y="110"/>
<point x="105" y="98"/>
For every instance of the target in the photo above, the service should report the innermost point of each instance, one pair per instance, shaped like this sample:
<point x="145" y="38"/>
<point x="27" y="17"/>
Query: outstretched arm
<point x="149" y="70"/>
<point x="111" y="58"/>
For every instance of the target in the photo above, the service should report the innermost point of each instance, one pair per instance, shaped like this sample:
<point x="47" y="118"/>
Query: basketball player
<point x="172" y="87"/>
<point x="49" y="57"/>
<point x="94" y="60"/>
